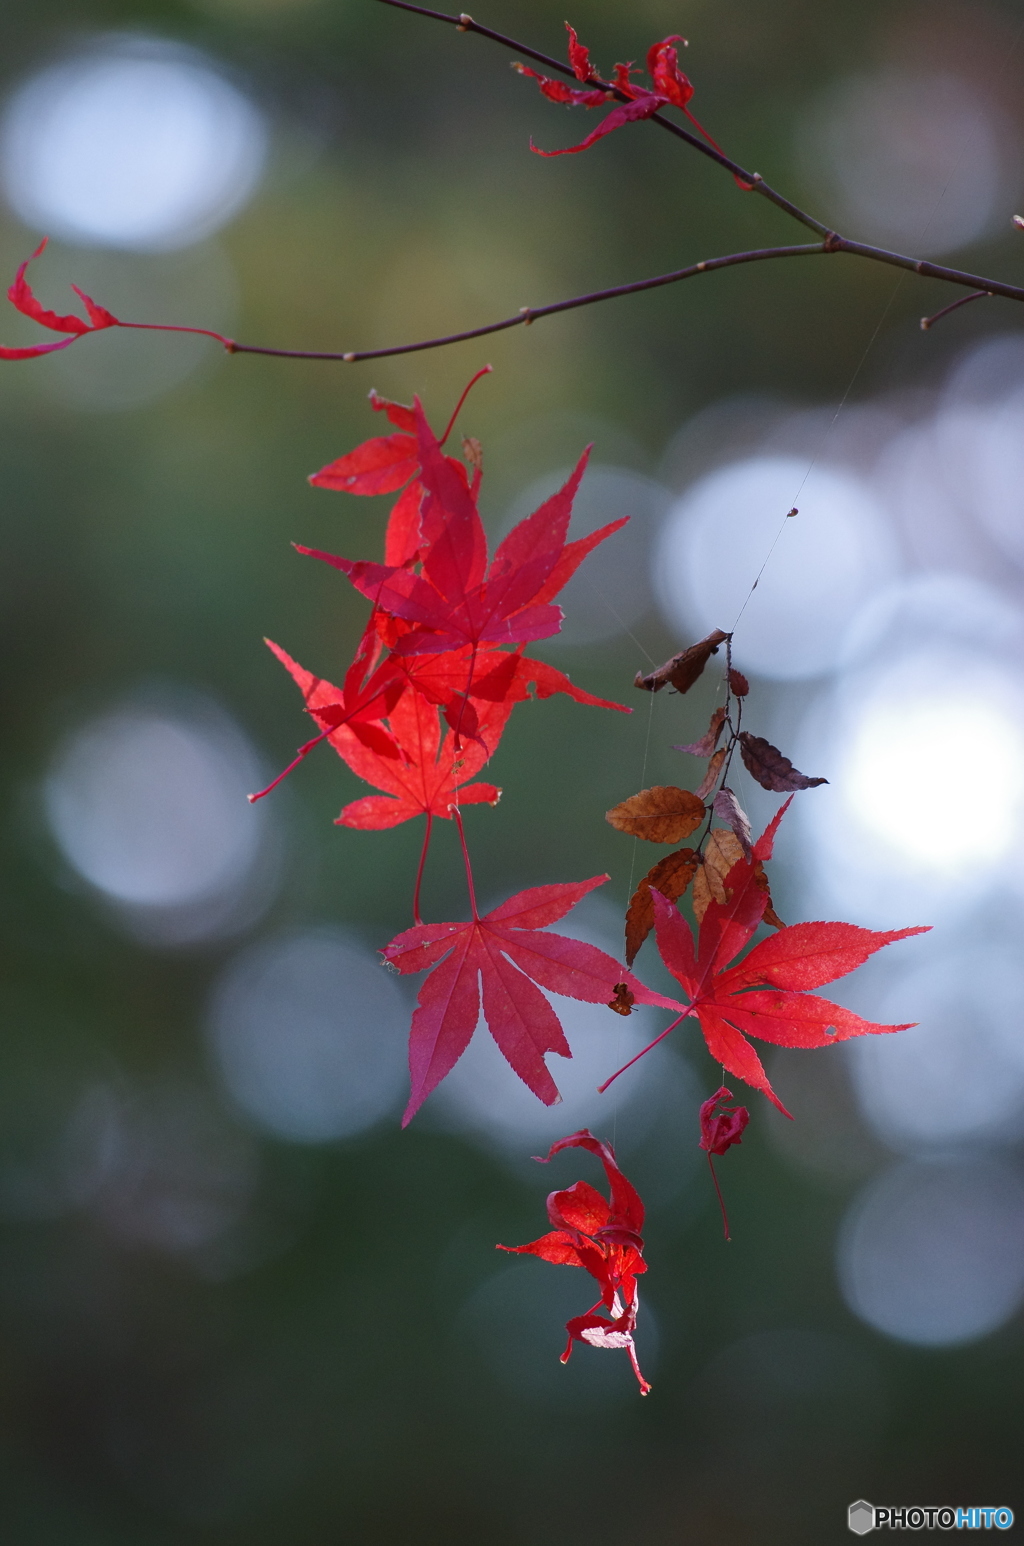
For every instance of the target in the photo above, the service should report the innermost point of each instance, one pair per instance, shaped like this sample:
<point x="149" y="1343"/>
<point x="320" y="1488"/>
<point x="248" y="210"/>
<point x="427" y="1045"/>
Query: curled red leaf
<point x="721" y="1125"/>
<point x="23" y="299"/>
<point x="601" y="1235"/>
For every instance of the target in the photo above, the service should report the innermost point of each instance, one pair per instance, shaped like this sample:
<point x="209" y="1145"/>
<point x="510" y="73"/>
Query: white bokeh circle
<point x="148" y="803"/>
<point x="957" y="1076"/>
<point x="932" y="1252"/>
<point x="309" y="1032"/>
<point x="909" y="159"/>
<point x="829" y="560"/>
<point x="134" y="143"/>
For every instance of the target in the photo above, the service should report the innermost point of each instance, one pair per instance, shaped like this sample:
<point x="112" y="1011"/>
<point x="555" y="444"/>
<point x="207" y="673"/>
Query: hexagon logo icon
<point x="861" y="1517"/>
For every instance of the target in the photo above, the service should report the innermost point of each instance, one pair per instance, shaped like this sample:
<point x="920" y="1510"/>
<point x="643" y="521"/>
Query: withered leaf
<point x="772" y="770"/>
<point x="731" y="811"/>
<point x="683" y="669"/>
<point x="761" y="881"/>
<point x="709" y="740"/>
<point x="738" y="682"/>
<point x="663" y="814"/>
<point x="721" y="851"/>
<point x="671" y="876"/>
<point x="622" y="1003"/>
<point x="710" y="778"/>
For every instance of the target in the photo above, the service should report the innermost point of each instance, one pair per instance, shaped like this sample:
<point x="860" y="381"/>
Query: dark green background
<point x="333" y="1393"/>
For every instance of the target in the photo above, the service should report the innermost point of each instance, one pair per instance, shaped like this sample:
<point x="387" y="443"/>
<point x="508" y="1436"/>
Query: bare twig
<point x="528" y="314"/>
<point x="976" y="295"/>
<point x="754" y="180"/>
<point x="832" y="241"/>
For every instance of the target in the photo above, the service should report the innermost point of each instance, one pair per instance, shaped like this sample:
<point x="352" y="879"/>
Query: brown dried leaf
<point x="623" y="1001"/>
<point x="670" y="876"/>
<point x="663" y="814"/>
<point x="772" y="770"/>
<point x="761" y="881"/>
<point x="473" y="451"/>
<point x="710" y="778"/>
<point x="683" y="669"/>
<point x="721" y="851"/>
<point x="738" y="682"/>
<point x="709" y="740"/>
<point x="731" y="811"/>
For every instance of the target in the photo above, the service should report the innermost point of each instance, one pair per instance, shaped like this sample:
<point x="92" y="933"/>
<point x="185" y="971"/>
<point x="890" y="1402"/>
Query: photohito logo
<point x="864" y="1516"/>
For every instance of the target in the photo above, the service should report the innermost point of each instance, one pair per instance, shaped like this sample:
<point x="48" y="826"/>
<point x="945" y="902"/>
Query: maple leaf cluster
<point x="421" y="710"/>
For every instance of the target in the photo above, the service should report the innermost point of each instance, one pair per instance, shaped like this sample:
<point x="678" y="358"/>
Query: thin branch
<point x="976" y="295"/>
<point x="754" y="180"/>
<point x="831" y="243"/>
<point x="528" y="314"/>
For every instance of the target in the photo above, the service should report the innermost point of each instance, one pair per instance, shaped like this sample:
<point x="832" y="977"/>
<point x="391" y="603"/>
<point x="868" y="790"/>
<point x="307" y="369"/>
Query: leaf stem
<point x="721" y="1199"/>
<point x="602" y="1087"/>
<point x="484" y="371"/>
<point x="419" y="873"/>
<point x="456" y="816"/>
<point x="303" y="752"/>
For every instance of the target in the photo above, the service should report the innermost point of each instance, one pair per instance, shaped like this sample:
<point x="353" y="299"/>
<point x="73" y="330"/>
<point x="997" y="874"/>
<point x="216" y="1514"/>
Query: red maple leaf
<point x="386" y="463"/>
<point x="499" y="676"/>
<point x="416" y="766"/>
<point x="365" y="699"/>
<point x="601" y="1235"/>
<point x="458" y="599"/>
<point x="421" y="771"/>
<point x="507" y="951"/>
<point x="380" y="465"/>
<point x="669" y="88"/>
<point x="23" y="299"/>
<point x="765" y="994"/>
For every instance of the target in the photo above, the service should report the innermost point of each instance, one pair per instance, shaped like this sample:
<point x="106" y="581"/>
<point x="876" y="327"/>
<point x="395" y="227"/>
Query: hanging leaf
<point x="709" y="740"/>
<point x="730" y="810"/>
<point x="772" y="770"/>
<point x="683" y="669"/>
<point x="761" y="881"/>
<point x="670" y="876"/>
<point x="663" y="814"/>
<point x="721" y="851"/>
<point x="603" y="1237"/>
<point x="710" y="778"/>
<point x="509" y="954"/>
<point x="738" y="683"/>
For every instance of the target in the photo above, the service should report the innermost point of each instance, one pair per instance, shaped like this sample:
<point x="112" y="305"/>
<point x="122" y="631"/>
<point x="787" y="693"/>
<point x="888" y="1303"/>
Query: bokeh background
<point x="237" y="1304"/>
